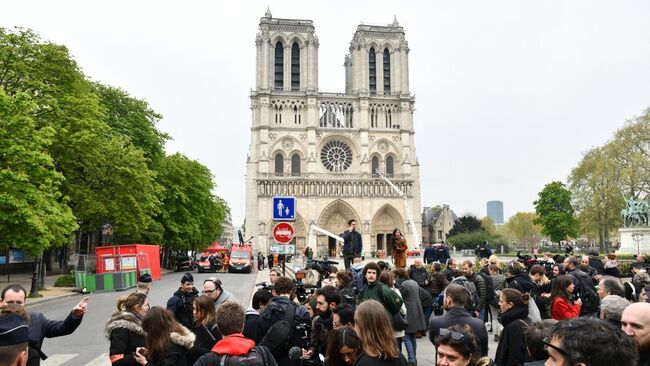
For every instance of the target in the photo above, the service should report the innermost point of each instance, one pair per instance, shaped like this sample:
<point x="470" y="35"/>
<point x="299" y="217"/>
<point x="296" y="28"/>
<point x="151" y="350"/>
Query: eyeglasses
<point x="457" y="336"/>
<point x="209" y="291"/>
<point x="547" y="344"/>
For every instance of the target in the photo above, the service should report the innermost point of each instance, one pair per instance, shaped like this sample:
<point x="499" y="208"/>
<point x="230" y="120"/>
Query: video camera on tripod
<point x="322" y="267"/>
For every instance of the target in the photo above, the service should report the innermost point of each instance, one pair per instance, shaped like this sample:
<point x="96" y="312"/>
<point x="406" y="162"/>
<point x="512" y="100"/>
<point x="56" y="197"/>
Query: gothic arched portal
<point x="334" y="218"/>
<point x="385" y="220"/>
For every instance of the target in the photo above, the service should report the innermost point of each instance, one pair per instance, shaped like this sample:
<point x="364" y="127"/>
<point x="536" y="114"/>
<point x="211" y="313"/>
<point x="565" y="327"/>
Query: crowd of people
<point x="543" y="311"/>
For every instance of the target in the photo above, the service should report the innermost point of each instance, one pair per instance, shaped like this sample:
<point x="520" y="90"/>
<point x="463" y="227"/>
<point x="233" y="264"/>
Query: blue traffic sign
<point x="284" y="208"/>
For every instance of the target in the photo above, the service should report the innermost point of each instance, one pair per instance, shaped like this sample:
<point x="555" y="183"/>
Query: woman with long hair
<point x="386" y="277"/>
<point x="205" y="326"/>
<point x="511" y="350"/>
<point x="124" y="329"/>
<point x="376" y="334"/>
<point x="562" y="304"/>
<point x="167" y="341"/>
<point x="399" y="248"/>
<point x="344" y="347"/>
<point x="456" y="346"/>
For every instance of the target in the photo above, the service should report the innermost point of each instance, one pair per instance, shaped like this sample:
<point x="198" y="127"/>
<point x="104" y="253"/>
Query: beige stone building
<point x="326" y="148"/>
<point x="436" y="223"/>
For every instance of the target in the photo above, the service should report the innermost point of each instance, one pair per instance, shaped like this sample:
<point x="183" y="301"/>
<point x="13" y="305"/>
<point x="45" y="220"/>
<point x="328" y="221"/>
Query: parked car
<point x="184" y="263"/>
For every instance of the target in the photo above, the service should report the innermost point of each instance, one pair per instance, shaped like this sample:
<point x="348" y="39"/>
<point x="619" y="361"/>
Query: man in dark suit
<point x="351" y="244"/>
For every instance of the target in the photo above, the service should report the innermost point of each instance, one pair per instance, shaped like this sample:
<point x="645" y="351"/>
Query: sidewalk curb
<point x="38" y="301"/>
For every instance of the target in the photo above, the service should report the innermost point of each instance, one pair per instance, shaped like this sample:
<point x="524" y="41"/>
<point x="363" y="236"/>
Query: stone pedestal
<point x="629" y="245"/>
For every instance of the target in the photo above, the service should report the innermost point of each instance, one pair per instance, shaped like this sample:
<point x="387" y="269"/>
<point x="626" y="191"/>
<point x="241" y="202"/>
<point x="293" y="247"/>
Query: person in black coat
<point x="429" y="254"/>
<point x="124" y="329"/>
<point x="41" y="327"/>
<point x="180" y="304"/>
<point x="252" y="321"/>
<point x="511" y="350"/>
<point x="455" y="299"/>
<point x="206" y="331"/>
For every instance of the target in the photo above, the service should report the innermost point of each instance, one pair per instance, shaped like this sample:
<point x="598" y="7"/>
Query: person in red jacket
<point x="562" y="304"/>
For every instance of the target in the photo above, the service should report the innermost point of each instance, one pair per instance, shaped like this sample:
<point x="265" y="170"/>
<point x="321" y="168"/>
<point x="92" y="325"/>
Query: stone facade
<point x="326" y="148"/>
<point x="436" y="223"/>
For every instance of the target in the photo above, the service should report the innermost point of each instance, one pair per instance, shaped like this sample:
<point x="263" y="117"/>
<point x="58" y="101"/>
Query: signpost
<point x="283" y="232"/>
<point x="284" y="208"/>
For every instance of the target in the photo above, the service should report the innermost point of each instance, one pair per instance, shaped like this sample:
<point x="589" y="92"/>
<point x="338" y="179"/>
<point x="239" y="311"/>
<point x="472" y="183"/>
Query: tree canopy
<point x="556" y="212"/>
<point x="465" y="224"/>
<point x="78" y="154"/>
<point x="608" y="173"/>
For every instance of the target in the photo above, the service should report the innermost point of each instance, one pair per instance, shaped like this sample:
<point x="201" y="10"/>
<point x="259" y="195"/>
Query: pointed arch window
<point x="295" y="66"/>
<point x="389" y="166"/>
<point x="372" y="71"/>
<point x="386" y="71"/>
<point x="279" y="66"/>
<point x="295" y="165"/>
<point x="374" y="166"/>
<point x="279" y="164"/>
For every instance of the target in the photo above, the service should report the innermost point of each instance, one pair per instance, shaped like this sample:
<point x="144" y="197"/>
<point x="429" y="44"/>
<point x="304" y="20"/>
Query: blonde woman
<point x="376" y="333"/>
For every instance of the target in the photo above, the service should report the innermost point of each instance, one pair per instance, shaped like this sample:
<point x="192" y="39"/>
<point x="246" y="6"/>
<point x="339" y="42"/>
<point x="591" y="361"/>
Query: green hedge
<point x="66" y="280"/>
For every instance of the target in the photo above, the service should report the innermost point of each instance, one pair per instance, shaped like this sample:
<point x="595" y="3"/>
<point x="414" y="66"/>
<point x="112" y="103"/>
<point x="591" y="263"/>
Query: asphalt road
<point x="89" y="346"/>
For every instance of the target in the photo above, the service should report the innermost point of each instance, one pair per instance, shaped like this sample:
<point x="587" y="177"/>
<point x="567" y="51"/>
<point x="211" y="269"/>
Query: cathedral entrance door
<point x="380" y="241"/>
<point x="389" y="243"/>
<point x="331" y="245"/>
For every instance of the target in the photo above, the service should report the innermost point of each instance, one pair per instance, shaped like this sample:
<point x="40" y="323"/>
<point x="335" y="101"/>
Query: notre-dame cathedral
<point x="327" y="149"/>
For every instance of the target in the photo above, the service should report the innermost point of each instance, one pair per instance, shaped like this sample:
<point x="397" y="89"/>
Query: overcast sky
<point x="509" y="94"/>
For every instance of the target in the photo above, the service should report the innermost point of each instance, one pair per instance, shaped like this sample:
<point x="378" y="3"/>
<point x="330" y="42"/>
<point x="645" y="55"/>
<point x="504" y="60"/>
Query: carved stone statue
<point x="635" y="212"/>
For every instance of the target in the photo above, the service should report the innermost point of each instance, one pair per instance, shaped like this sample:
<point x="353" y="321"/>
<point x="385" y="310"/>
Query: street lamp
<point x="638" y="238"/>
<point x="107" y="232"/>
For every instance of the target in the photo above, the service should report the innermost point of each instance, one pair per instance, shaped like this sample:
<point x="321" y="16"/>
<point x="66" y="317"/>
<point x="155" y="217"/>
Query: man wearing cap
<point x="212" y="287"/>
<point x="14" y="338"/>
<point x="144" y="284"/>
<point x="181" y="302"/>
<point x="40" y="327"/>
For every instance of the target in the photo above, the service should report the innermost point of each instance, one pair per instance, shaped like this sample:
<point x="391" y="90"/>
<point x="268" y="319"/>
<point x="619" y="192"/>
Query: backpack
<point x="490" y="294"/>
<point x="472" y="299"/>
<point x="214" y="359"/>
<point x="278" y="338"/>
<point x="357" y="279"/>
<point x="586" y="293"/>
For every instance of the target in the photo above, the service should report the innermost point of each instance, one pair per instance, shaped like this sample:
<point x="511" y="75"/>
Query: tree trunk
<point x="33" y="291"/>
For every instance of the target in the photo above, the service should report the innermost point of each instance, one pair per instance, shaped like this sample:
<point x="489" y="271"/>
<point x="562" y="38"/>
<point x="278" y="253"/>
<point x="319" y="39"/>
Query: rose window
<point x="336" y="156"/>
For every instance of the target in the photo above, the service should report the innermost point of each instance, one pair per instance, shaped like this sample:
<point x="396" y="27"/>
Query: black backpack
<point x="472" y="294"/>
<point x="586" y="293"/>
<point x="278" y="338"/>
<point x="490" y="295"/>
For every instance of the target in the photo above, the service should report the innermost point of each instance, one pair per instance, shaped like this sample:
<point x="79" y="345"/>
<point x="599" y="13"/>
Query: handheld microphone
<point x="295" y="353"/>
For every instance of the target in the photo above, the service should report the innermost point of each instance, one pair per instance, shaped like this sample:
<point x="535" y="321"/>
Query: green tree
<point x="134" y="119"/>
<point x="488" y="225"/>
<point x="123" y="192"/>
<point x="556" y="212"/>
<point x="33" y="213"/>
<point x="521" y="227"/>
<point x="606" y="174"/>
<point x="596" y="195"/>
<point x="465" y="224"/>
<point x="191" y="215"/>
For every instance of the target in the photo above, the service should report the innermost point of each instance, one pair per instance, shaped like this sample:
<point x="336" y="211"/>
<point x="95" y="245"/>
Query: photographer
<point x="279" y="308"/>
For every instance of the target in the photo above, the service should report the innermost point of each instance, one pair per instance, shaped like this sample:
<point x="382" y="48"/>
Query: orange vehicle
<point x="241" y="258"/>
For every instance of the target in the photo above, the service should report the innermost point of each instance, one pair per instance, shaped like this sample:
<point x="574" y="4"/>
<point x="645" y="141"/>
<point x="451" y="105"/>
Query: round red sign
<point x="283" y="232"/>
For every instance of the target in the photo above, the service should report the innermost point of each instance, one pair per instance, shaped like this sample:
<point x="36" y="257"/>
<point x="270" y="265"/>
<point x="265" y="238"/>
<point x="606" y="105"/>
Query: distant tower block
<point x="495" y="211"/>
